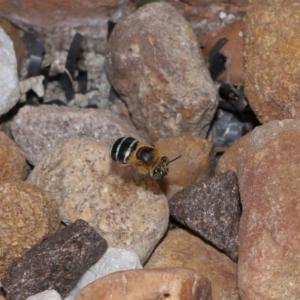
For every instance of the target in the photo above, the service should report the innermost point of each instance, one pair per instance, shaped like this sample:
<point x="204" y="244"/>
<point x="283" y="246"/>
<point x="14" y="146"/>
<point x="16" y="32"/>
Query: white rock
<point x="112" y="261"/>
<point x="46" y="295"/>
<point x="9" y="82"/>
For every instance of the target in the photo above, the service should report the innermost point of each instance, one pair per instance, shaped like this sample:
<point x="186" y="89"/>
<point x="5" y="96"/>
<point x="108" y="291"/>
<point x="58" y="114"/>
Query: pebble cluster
<point x="75" y="225"/>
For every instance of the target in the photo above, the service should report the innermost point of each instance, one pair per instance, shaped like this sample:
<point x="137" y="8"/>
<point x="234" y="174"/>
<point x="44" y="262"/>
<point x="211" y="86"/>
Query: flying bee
<point x="144" y="156"/>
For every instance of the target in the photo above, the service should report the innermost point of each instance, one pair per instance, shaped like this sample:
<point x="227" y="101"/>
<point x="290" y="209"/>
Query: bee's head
<point x="162" y="169"/>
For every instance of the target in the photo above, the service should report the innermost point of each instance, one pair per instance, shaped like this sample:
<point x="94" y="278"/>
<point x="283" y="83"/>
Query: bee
<point x="143" y="156"/>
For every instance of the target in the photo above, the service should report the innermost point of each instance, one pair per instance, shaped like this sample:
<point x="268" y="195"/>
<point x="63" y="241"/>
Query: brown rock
<point x="38" y="129"/>
<point x="26" y="216"/>
<point x="57" y="262"/>
<point x="182" y="249"/>
<point x="156" y="284"/>
<point x="12" y="160"/>
<point x="229" y="159"/>
<point x="233" y="50"/>
<point x="12" y="32"/>
<point x="194" y="164"/>
<point x="268" y="172"/>
<point x="212" y="209"/>
<point x="271" y="52"/>
<point x="163" y="80"/>
<point x="128" y="209"/>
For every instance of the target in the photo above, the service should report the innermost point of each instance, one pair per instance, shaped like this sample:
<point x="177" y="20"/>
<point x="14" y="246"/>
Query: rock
<point x="163" y="80"/>
<point x="194" y="164"/>
<point x="57" y="262"/>
<point x="182" y="249"/>
<point x="229" y="159"/>
<point x="113" y="260"/>
<point x="212" y="209"/>
<point x="126" y="208"/>
<point x="27" y="215"/>
<point x="38" y="129"/>
<point x="268" y="172"/>
<point x="12" y="32"/>
<point x="12" y="160"/>
<point x="271" y="52"/>
<point x="46" y="295"/>
<point x="164" y="283"/>
<point x="233" y="50"/>
<point x="8" y="74"/>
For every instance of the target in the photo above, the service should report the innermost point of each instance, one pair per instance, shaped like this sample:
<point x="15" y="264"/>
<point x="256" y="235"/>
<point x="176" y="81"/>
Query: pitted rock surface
<point x="155" y="64"/>
<point x="57" y="262"/>
<point x="38" y="129"/>
<point x="128" y="209"/>
<point x="212" y="209"/>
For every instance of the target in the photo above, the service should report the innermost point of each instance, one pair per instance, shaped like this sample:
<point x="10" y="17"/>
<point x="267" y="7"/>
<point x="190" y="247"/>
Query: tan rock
<point x="12" y="160"/>
<point x="182" y="249"/>
<point x="194" y="164"/>
<point x="269" y="252"/>
<point x="233" y="50"/>
<point x="156" y="74"/>
<point x="228" y="160"/>
<point x="271" y="52"/>
<point x="127" y="209"/>
<point x="154" y="284"/>
<point x="26" y="216"/>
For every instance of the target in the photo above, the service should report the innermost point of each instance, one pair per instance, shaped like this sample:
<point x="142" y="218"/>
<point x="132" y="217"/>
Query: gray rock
<point x="113" y="260"/>
<point x="57" y="262"/>
<point x="128" y="209"/>
<point x="9" y="82"/>
<point x="155" y="64"/>
<point x="212" y="209"/>
<point x="46" y="295"/>
<point x="38" y="129"/>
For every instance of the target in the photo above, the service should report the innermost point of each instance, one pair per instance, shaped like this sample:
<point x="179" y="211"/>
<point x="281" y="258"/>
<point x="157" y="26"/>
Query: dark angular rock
<point x="56" y="262"/>
<point x="212" y="209"/>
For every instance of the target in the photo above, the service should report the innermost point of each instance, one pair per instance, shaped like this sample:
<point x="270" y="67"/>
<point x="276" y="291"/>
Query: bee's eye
<point x="157" y="173"/>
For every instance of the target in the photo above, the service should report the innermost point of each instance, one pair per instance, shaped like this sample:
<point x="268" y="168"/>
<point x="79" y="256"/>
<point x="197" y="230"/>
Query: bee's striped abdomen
<point x="121" y="149"/>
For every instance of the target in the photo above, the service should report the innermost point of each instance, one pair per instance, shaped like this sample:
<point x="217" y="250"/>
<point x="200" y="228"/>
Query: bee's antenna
<point x="174" y="159"/>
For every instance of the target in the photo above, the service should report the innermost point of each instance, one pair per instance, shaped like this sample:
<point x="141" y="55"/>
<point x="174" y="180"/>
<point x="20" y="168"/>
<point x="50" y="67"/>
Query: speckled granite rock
<point x="272" y="40"/>
<point x="57" y="262"/>
<point x="163" y="79"/>
<point x="27" y="215"/>
<point x="38" y="129"/>
<point x="129" y="210"/>
<point x="194" y="164"/>
<point x="156" y="284"/>
<point x="212" y="209"/>
<point x="269" y="252"/>
<point x="12" y="160"/>
<point x="9" y="88"/>
<point x="182" y="249"/>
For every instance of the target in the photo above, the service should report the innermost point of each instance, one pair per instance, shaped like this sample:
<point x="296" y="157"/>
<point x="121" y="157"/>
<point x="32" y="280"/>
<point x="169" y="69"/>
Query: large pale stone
<point x="269" y="251"/>
<point x="154" y="62"/>
<point x="128" y="209"/>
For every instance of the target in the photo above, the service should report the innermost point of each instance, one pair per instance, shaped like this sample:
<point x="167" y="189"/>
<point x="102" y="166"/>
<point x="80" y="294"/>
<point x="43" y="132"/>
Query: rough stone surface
<point x="27" y="215"/>
<point x="113" y="260"/>
<point x="229" y="159"/>
<point x="163" y="79"/>
<point x="182" y="249"/>
<point x="194" y="164"/>
<point x="9" y="82"/>
<point x="156" y="284"/>
<point x="128" y="209"/>
<point x="12" y="160"/>
<point x="46" y="295"/>
<point x="271" y="54"/>
<point x="57" y="262"/>
<point x="233" y="50"/>
<point x="38" y="129"/>
<point x="212" y="209"/>
<point x="268" y="172"/>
